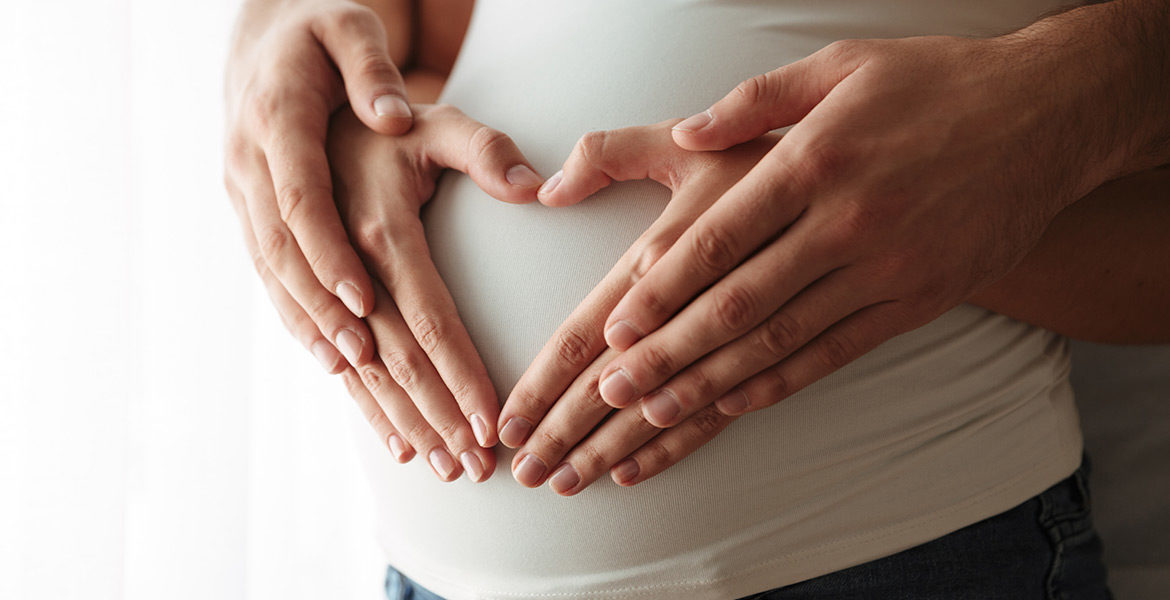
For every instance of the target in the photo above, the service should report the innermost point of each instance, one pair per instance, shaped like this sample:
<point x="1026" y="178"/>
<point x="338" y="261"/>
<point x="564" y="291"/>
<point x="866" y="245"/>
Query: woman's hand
<point x="291" y="66"/>
<point x="427" y="388"/>
<point x="921" y="170"/>
<point x="562" y="380"/>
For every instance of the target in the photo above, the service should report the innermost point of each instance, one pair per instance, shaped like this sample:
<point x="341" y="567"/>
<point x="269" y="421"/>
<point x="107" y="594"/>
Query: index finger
<point x="295" y="151"/>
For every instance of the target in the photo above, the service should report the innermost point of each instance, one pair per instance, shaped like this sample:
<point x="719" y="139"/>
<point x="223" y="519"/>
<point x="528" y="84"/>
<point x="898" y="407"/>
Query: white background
<point x="142" y="456"/>
<point x="144" y="452"/>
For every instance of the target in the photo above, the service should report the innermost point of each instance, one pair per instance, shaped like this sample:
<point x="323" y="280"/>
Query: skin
<point x="919" y="173"/>
<point x="293" y="64"/>
<point x="1092" y="273"/>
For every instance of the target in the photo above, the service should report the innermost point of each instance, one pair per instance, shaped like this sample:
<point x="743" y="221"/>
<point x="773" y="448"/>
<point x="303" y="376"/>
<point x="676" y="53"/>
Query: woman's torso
<point x="934" y="430"/>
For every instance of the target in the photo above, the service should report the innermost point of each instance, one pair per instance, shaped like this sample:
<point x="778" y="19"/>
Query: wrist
<point x="1106" y="68"/>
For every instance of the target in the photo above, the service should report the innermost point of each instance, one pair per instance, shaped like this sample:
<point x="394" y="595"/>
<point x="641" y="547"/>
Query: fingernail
<point x="325" y="354"/>
<point x="617" y="389"/>
<point x="622" y="335"/>
<point x="551" y="184"/>
<point x="391" y="106"/>
<point x="479" y="428"/>
<point x="521" y="175"/>
<point x="397" y="447"/>
<point x="661" y="409"/>
<point x="529" y="471"/>
<point x="625" y="471"/>
<point x="695" y="122"/>
<point x="564" y="479"/>
<point x="350" y="345"/>
<point x="735" y="403"/>
<point x="472" y="465"/>
<point x="515" y="431"/>
<point x="352" y="298"/>
<point x="441" y="462"/>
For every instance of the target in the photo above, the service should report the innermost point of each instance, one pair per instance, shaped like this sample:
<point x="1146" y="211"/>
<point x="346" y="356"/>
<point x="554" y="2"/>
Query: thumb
<point x="357" y="44"/>
<point x="765" y="102"/>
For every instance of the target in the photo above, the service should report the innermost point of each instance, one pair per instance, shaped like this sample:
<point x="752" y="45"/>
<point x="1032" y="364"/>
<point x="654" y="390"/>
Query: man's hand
<point x="283" y="84"/>
<point x="919" y="171"/>
<point x="426" y="389"/>
<point x="558" y="393"/>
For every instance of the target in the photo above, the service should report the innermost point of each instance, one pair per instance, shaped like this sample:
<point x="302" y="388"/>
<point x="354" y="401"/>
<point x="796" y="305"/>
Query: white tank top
<point x="934" y="430"/>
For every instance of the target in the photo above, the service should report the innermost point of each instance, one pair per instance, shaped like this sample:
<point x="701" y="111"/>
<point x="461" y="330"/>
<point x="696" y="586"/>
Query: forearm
<point x="1102" y="270"/>
<point x="1107" y="68"/>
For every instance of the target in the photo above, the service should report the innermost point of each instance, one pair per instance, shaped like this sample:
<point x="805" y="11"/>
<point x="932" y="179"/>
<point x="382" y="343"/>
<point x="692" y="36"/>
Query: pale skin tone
<point x="1032" y="270"/>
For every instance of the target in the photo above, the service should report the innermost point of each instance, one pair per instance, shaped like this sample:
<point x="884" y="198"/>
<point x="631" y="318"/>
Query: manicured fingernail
<point x="695" y="122"/>
<point x="564" y="479"/>
<point x="397" y="447"/>
<point x="350" y="345"/>
<point x="442" y="463"/>
<point x="529" y="471"/>
<point x="661" y="409"/>
<point x="479" y="428"/>
<point x="617" y="389"/>
<point x="521" y="175"/>
<point x="325" y="354"/>
<point x="391" y="106"/>
<point x="625" y="471"/>
<point x="472" y="465"/>
<point x="515" y="431"/>
<point x="735" y="403"/>
<point x="551" y="184"/>
<point x="352" y="298"/>
<point x="622" y="335"/>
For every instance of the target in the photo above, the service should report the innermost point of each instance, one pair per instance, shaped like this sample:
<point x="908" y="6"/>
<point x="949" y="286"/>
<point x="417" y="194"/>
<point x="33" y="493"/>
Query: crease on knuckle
<point x="349" y="19"/>
<point x="592" y="394"/>
<point x="756" y="89"/>
<point x="449" y="431"/>
<point x="483" y="142"/>
<point x="655" y="456"/>
<point x="420" y="434"/>
<point x="776" y="387"/>
<point x="647" y="255"/>
<point x="701" y="388"/>
<point x="592" y="148"/>
<point x="291" y="198"/>
<point x="657" y="361"/>
<point x="735" y="307"/>
<point x="590" y="459"/>
<point x="712" y="249"/>
<point x="708" y="422"/>
<point x="403" y="368"/>
<point x="274" y="241"/>
<point x="374" y="381"/>
<point x="373" y="64"/>
<point x="372" y="237"/>
<point x="572" y="347"/>
<point x="836" y="350"/>
<point x="549" y="444"/>
<point x="260" y="264"/>
<point x="780" y="334"/>
<point x="428" y="332"/>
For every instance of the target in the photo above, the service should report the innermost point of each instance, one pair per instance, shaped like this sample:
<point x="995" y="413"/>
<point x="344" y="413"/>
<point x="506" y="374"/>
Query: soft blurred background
<point x="144" y="454"/>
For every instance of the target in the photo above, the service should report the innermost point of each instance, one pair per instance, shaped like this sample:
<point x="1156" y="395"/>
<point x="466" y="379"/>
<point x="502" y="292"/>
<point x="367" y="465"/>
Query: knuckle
<point x="485" y="141"/>
<point x="528" y="403"/>
<point x="428" y="332"/>
<point x="592" y="394"/>
<point x="264" y="104"/>
<point x="420" y="433"/>
<point x="780" y="334"/>
<point x="273" y="240"/>
<point x="755" y="89"/>
<point x="657" y="362"/>
<point x="841" y="49"/>
<point x="374" y="381"/>
<point x="403" y="368"/>
<point x="708" y="421"/>
<point x="374" y="64"/>
<point x="835" y="351"/>
<point x="590" y="458"/>
<point x="294" y="196"/>
<point x="702" y="387"/>
<point x="572" y="346"/>
<point x="349" y="18"/>
<point x="657" y="455"/>
<point x="550" y="443"/>
<point x="260" y="264"/>
<point x="449" y="431"/>
<point x="712" y="249"/>
<point x="373" y="238"/>
<point x="591" y="146"/>
<point x="653" y="302"/>
<point x="735" y="307"/>
<point x="647" y="255"/>
<point x="776" y="386"/>
<point x="819" y="160"/>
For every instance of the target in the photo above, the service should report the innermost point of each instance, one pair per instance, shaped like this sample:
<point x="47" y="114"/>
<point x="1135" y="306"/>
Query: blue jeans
<point x="1043" y="549"/>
